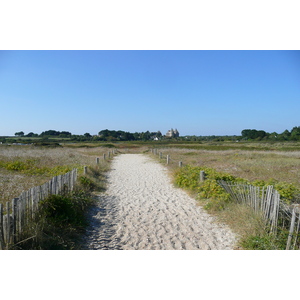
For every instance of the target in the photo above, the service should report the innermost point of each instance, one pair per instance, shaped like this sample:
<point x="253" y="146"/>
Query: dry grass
<point x="242" y="220"/>
<point x="251" y="165"/>
<point x="13" y="182"/>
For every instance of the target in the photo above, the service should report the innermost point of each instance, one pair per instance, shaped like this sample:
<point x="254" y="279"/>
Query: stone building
<point x="172" y="133"/>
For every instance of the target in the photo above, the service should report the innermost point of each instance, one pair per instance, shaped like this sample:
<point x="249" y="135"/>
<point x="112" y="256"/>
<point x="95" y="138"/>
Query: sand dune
<point x="141" y="209"/>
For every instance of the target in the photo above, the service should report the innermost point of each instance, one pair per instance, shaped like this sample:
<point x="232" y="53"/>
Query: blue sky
<point x="197" y="92"/>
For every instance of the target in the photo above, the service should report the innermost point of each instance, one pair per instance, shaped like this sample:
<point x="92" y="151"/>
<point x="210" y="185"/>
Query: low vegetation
<point x="61" y="219"/>
<point x="260" y="168"/>
<point x="23" y="167"/>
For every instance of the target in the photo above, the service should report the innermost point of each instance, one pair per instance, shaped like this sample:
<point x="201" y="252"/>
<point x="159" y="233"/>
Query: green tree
<point x="295" y="134"/>
<point x="20" y="133"/>
<point x="285" y="136"/>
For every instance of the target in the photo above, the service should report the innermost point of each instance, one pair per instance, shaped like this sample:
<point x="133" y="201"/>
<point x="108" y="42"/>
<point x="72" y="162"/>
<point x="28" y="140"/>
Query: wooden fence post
<point x="288" y="244"/>
<point x="104" y="155"/>
<point x="97" y="160"/>
<point x="14" y="219"/>
<point x="160" y="155"/>
<point x="7" y="224"/>
<point x="202" y="176"/>
<point x="1" y="228"/>
<point x="168" y="159"/>
<point x="180" y="164"/>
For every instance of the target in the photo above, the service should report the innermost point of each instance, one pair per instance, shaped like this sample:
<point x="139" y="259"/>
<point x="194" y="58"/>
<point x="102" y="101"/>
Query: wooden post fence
<point x="267" y="203"/>
<point x="19" y="211"/>
<point x="264" y="201"/>
<point x="202" y="176"/>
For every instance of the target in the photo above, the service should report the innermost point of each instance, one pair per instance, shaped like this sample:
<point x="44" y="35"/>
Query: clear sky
<point x="197" y="92"/>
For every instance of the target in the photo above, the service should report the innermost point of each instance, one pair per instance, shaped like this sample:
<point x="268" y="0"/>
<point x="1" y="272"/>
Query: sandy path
<point x="141" y="209"/>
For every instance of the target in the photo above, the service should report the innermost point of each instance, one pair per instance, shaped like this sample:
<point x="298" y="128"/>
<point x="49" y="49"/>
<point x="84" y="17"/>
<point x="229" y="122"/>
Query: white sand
<point x="141" y="209"/>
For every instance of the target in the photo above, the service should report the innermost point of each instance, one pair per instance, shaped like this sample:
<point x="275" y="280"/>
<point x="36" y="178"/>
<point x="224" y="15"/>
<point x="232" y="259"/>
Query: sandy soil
<point x="141" y="209"/>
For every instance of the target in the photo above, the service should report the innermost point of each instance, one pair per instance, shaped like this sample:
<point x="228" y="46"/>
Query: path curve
<point x="141" y="209"/>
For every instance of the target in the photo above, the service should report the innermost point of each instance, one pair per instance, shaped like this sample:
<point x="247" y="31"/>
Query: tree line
<point x="253" y="134"/>
<point x="103" y="135"/>
<point x="119" y="135"/>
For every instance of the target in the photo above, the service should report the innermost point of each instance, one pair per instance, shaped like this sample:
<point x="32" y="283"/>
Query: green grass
<point x="33" y="167"/>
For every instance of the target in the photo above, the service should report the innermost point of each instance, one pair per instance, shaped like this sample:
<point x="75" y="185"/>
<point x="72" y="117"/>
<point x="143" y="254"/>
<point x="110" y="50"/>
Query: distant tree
<point x="295" y="134"/>
<point x="253" y="134"/>
<point x="31" y="134"/>
<point x="273" y="136"/>
<point x="65" y="134"/>
<point x="50" y="132"/>
<point x="137" y="136"/>
<point x="285" y="136"/>
<point x="159" y="134"/>
<point x="20" y="133"/>
<point x="104" y="133"/>
<point x="87" y="135"/>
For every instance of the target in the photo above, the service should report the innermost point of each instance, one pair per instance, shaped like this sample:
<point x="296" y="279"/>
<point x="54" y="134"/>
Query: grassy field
<point x="276" y="164"/>
<point x="252" y="165"/>
<point x="23" y="167"/>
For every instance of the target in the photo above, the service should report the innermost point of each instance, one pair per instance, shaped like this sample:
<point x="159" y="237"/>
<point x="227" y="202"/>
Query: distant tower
<point x="176" y="133"/>
<point x="172" y="133"/>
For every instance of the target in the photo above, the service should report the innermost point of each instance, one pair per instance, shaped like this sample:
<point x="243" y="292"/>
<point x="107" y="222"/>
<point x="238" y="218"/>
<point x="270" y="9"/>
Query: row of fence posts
<point x="267" y="202"/>
<point x="180" y="163"/>
<point x="105" y="157"/>
<point x="18" y="212"/>
<point x="263" y="200"/>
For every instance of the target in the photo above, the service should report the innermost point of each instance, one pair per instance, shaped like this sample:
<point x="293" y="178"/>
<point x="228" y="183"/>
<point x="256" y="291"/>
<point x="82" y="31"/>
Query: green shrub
<point x="65" y="209"/>
<point x="87" y="183"/>
<point x="266" y="241"/>
<point x="288" y="191"/>
<point x="188" y="177"/>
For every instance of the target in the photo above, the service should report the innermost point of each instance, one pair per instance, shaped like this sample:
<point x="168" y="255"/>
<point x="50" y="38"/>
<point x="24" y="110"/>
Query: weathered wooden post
<point x="84" y="170"/>
<point x="160" y="155"/>
<point x="104" y="155"/>
<point x="14" y="219"/>
<point x="1" y="228"/>
<point x="180" y="164"/>
<point x="168" y="159"/>
<point x="97" y="160"/>
<point x="202" y="176"/>
<point x="288" y="244"/>
<point x="108" y="154"/>
<point x="7" y="224"/>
